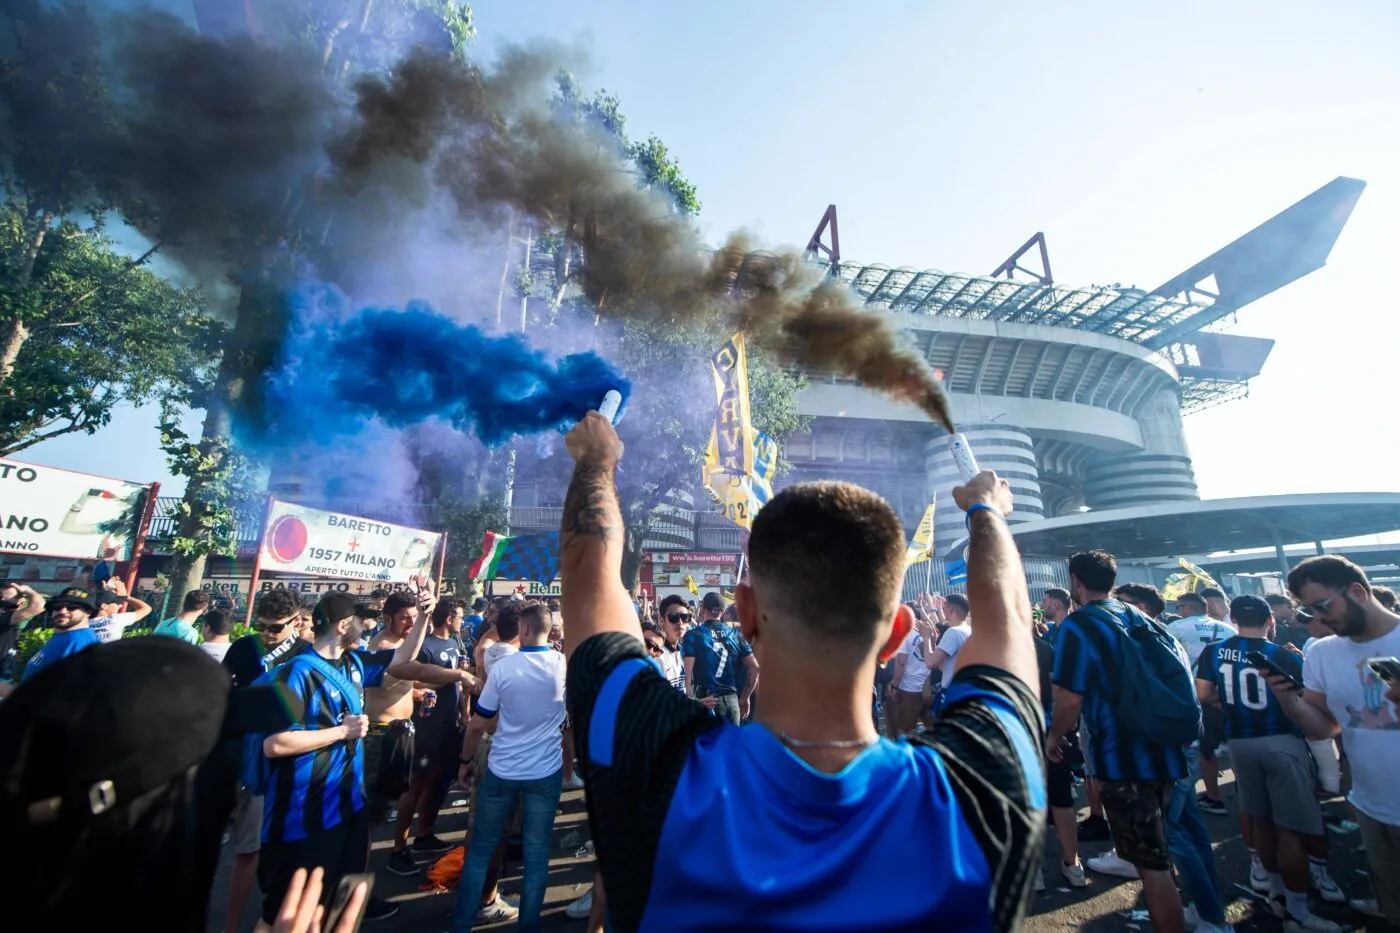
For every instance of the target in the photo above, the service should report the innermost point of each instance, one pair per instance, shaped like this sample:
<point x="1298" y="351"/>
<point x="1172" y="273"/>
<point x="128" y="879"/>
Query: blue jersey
<point x="319" y="790"/>
<point x="1251" y="709"/>
<point x="1087" y="649"/>
<point x="61" y="645"/>
<point x="719" y="653"/>
<point x="704" y="825"/>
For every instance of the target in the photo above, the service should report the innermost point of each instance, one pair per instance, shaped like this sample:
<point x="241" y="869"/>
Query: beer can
<point x="429" y="699"/>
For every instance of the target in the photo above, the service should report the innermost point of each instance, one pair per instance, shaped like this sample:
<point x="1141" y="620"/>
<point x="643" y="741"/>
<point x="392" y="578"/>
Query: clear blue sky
<point x="1139" y="137"/>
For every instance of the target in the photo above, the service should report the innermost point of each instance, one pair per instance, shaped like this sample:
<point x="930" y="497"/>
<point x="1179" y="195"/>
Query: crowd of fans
<point x="955" y="728"/>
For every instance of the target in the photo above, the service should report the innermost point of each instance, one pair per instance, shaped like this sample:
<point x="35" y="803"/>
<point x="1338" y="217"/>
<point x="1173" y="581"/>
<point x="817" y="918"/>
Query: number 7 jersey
<point x="1251" y="709"/>
<point x="719" y="653"/>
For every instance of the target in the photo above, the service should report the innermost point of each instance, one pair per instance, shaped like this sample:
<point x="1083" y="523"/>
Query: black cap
<point x="1250" y="610"/>
<point x="108" y="598"/>
<point x="75" y="596"/>
<point x="104" y="726"/>
<point x="479" y="604"/>
<point x="713" y="602"/>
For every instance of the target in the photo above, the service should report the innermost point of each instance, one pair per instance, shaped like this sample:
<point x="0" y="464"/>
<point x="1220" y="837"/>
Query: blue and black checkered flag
<point x="519" y="557"/>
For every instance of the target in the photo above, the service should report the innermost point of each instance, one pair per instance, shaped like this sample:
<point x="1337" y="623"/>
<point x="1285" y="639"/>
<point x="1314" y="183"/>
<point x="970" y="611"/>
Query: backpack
<point x="1156" y="691"/>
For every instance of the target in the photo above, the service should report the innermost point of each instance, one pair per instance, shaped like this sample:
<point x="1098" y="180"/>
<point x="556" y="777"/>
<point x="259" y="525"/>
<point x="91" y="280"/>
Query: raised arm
<point x="996" y="585"/>
<point x="405" y="665"/>
<point x="591" y="538"/>
<point x="140" y="607"/>
<point x="33" y="605"/>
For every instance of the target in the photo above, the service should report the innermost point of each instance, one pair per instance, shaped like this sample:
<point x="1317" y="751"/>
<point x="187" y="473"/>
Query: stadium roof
<point x="1179" y="528"/>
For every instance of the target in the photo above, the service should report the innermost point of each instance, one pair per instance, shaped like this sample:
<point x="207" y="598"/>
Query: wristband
<point x="981" y="507"/>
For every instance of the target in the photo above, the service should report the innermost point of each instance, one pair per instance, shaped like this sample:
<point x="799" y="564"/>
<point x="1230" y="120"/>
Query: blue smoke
<point x="341" y="370"/>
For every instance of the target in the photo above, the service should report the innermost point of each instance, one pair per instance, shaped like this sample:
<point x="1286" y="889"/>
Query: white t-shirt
<point x="216" y="649"/>
<point x="494" y="652"/>
<point x="1370" y="724"/>
<point x="673" y="668"/>
<point x="526" y="690"/>
<point x="952" y="642"/>
<point x="1197" y="632"/>
<point x="111" y="628"/>
<point x="915" y="670"/>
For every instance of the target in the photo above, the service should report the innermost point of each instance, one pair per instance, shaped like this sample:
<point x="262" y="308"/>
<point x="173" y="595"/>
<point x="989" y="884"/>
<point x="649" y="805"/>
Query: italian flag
<point x="493" y="548"/>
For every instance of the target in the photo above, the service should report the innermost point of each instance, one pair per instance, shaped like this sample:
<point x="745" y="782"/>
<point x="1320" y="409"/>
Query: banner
<point x="739" y="461"/>
<point x="315" y="543"/>
<point x="921" y="548"/>
<point x="956" y="571"/>
<point x="1178" y="584"/>
<point x="59" y="513"/>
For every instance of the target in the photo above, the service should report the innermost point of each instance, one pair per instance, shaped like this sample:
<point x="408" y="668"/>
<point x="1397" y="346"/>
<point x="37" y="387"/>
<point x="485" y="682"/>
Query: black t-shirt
<point x="749" y="837"/>
<point x="248" y="658"/>
<point x="442" y="652"/>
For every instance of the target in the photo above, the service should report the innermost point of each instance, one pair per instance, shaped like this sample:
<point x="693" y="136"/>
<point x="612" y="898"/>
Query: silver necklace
<point x="829" y="743"/>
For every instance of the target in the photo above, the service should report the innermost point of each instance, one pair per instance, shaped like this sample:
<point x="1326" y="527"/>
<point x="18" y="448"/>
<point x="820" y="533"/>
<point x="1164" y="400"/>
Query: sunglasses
<point x="1320" y="607"/>
<point x="274" y="628"/>
<point x="653" y="647"/>
<point x="679" y="618"/>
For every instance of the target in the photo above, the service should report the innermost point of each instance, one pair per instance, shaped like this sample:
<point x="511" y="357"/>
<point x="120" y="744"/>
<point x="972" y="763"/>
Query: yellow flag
<point x="739" y="461"/>
<point x="690" y="585"/>
<point x="921" y="548"/>
<point x="1200" y="575"/>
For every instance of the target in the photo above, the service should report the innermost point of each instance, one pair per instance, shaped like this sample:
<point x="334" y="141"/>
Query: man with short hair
<point x="1202" y="626"/>
<point x="1054" y="609"/>
<point x="675" y="619"/>
<point x="182" y="626"/>
<point x="1288" y="628"/>
<point x="1144" y="597"/>
<point x="437" y="724"/>
<point x="116" y="612"/>
<point x="719" y="663"/>
<point x="215" y="626"/>
<point x="522" y="706"/>
<point x="1137" y="776"/>
<point x="273" y="642"/>
<point x="956" y="610"/>
<point x="69" y="614"/>
<point x="314" y="772"/>
<point x="1273" y="770"/>
<point x="18" y="604"/>
<point x="790" y="822"/>
<point x="1343" y="694"/>
<point x="911" y="671"/>
<point x="1217" y="607"/>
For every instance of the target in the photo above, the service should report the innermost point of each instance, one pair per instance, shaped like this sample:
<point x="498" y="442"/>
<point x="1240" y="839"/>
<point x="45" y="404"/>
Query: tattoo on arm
<point x="590" y="508"/>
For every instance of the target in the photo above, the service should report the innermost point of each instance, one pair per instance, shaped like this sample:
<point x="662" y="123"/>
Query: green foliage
<point x="103" y="329"/>
<point x="659" y="170"/>
<point x="222" y="487"/>
<point x="466" y="523"/>
<point x="30" y="641"/>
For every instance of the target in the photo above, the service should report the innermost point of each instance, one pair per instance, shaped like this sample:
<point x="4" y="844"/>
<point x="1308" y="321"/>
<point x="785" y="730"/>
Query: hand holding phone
<point x="1266" y="664"/>
<point x="348" y="905"/>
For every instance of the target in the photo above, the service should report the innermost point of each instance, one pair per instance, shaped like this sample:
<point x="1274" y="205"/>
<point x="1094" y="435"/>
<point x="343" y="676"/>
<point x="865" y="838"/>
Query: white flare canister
<point x="962" y="456"/>
<point x="612" y="401"/>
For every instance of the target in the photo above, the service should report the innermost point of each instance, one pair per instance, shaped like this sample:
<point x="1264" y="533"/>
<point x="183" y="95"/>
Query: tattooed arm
<point x="591" y="538"/>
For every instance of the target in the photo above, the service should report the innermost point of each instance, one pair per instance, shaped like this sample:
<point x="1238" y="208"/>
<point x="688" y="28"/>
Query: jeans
<point x="728" y="708"/>
<point x="493" y="812"/>
<point x="1190" y="847"/>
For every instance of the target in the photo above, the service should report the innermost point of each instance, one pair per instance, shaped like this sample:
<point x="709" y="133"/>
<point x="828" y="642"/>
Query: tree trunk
<point x="31" y="252"/>
<point x="632" y="560"/>
<point x="14" y="341"/>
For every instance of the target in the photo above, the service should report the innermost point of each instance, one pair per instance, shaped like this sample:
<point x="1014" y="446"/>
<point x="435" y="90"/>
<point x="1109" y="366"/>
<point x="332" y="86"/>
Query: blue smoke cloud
<point x="342" y="369"/>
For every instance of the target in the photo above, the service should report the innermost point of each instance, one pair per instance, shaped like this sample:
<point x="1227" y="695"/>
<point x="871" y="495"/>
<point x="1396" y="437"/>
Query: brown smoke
<point x="492" y="145"/>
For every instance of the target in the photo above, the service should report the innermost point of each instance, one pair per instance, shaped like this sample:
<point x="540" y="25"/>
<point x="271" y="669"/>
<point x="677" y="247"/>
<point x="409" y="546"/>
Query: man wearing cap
<point x="69" y="614"/>
<point x="1273" y="768"/>
<point x="713" y="654"/>
<point x="116" y="612"/>
<point x="313" y="774"/>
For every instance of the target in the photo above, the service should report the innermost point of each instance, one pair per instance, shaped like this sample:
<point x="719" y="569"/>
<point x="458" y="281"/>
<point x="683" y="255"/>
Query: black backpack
<point x="1156" y="691"/>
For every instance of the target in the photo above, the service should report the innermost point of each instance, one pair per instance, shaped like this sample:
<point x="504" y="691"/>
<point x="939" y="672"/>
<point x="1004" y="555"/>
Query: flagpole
<point x="257" y="562"/>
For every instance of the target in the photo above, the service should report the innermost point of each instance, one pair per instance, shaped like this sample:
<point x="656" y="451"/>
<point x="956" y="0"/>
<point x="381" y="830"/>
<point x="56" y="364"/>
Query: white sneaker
<point x="498" y="910"/>
<point x="1074" y="874"/>
<point x="1367" y="906"/>
<point x="1039" y="880"/>
<point x="1110" y="864"/>
<point x="574" y="782"/>
<point x="581" y="908"/>
<point x="1258" y="877"/>
<point x="1191" y="919"/>
<point x="1325" y="887"/>
<point x="1314" y="922"/>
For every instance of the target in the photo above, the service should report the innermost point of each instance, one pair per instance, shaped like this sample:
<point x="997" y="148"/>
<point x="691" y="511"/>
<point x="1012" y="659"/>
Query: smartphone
<point x="336" y="911"/>
<point x="1387" y="669"/>
<point x="1260" y="660"/>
